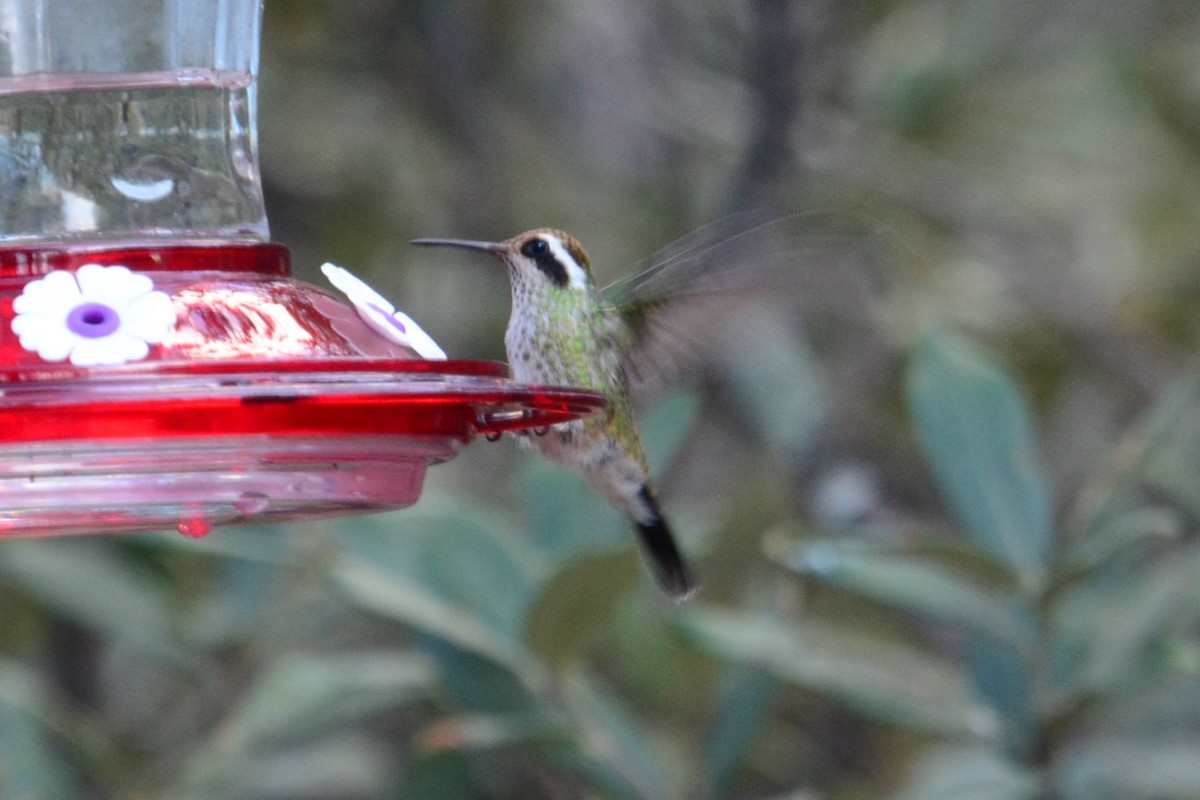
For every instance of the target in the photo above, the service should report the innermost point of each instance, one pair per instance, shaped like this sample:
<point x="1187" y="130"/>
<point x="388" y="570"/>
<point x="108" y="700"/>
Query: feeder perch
<point x="159" y="366"/>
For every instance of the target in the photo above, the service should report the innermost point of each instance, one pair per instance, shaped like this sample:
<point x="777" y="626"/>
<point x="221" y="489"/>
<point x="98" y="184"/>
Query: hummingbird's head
<point x="541" y="257"/>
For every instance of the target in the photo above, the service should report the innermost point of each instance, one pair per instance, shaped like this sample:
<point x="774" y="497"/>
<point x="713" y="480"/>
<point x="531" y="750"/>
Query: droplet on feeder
<point x="194" y="527"/>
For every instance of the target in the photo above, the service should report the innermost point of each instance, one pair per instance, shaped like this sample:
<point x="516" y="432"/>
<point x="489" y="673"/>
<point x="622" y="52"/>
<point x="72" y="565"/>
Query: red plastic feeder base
<point x="265" y="399"/>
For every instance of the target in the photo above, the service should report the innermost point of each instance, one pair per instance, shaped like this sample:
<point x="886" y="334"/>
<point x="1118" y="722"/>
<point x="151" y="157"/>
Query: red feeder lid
<point x="189" y="386"/>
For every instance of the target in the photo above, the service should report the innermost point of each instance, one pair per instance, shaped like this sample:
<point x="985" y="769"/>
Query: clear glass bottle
<point x="129" y="120"/>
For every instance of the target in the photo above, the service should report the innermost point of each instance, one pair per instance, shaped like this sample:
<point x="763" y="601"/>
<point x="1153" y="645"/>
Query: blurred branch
<point x="776" y="54"/>
<point x="1034" y="256"/>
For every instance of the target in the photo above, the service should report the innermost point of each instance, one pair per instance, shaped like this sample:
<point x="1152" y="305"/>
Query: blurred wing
<point x="690" y="289"/>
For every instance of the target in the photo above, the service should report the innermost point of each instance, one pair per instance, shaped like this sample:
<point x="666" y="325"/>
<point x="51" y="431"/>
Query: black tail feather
<point x="672" y="571"/>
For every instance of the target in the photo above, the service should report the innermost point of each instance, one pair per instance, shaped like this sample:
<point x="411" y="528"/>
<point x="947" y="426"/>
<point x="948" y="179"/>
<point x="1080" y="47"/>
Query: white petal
<point x="55" y="294"/>
<point x="115" y="349"/>
<point x="34" y="325"/>
<point x="383" y="324"/>
<point x="55" y="349"/>
<point x="111" y="285"/>
<point x="149" y="317"/>
<point x="94" y="280"/>
<point x="419" y="340"/>
<point x="354" y="288"/>
<point x="381" y="315"/>
<point x="128" y="348"/>
<point x="49" y="340"/>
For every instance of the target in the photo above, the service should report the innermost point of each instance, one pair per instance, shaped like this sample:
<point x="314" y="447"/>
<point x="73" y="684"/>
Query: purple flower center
<point x="93" y="320"/>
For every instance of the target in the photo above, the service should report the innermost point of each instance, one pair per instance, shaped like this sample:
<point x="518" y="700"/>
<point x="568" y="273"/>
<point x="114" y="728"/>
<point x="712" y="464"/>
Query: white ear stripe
<point x="576" y="275"/>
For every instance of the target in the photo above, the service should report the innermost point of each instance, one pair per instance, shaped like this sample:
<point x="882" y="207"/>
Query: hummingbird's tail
<point x="672" y="571"/>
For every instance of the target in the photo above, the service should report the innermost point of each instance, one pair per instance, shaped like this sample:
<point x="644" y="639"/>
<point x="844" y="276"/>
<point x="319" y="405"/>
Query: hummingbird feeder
<point x="159" y="366"/>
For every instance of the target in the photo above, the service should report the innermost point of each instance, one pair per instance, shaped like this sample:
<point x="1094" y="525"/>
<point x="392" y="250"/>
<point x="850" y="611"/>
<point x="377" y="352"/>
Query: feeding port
<point x="159" y="365"/>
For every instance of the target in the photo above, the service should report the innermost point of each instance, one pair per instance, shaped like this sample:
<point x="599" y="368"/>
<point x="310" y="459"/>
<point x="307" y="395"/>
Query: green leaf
<point x="448" y="574"/>
<point x="885" y="680"/>
<point x="300" y="695"/>
<point x="1112" y="489"/>
<point x="1106" y="542"/>
<point x="240" y="593"/>
<point x="419" y="606"/>
<point x="743" y="706"/>
<point x="443" y="769"/>
<point x="1170" y="470"/>
<point x="1131" y="769"/>
<point x="910" y="584"/>
<point x="343" y="765"/>
<point x="440" y="775"/>
<point x="31" y="765"/>
<point x="576" y="603"/>
<point x="479" y="683"/>
<point x="90" y="584"/>
<point x="608" y="735"/>
<point x="1002" y="677"/>
<point x="977" y="434"/>
<point x="967" y="772"/>
<point x="641" y="640"/>
<point x="1107" y="626"/>
<point x="1005" y="631"/>
<point x="1171" y="702"/>
<point x="566" y="518"/>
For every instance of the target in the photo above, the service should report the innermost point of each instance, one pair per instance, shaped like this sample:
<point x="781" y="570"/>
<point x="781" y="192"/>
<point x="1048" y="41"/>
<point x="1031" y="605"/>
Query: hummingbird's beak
<point x="495" y="248"/>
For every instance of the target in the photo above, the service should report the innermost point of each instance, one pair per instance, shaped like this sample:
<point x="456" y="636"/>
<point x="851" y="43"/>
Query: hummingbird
<point x="565" y="331"/>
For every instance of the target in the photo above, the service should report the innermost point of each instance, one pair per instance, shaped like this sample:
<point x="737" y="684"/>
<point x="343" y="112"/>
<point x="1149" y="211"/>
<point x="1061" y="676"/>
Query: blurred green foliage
<point x="943" y="493"/>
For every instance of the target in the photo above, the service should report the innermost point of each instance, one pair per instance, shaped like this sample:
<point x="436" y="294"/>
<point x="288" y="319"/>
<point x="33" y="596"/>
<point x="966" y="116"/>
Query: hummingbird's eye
<point x="534" y="248"/>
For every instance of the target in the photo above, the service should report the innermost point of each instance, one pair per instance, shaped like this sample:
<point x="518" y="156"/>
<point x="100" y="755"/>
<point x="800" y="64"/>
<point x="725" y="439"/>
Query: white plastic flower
<point x="97" y="315"/>
<point x="381" y="315"/>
